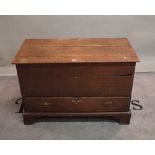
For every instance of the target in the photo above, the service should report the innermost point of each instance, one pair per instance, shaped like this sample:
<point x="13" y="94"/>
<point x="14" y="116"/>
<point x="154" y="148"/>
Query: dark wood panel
<point x="32" y="117"/>
<point x="69" y="70"/>
<point x="77" y="86"/>
<point x="80" y="104"/>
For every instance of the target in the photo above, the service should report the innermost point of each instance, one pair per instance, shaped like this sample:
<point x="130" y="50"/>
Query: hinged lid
<point x="75" y="50"/>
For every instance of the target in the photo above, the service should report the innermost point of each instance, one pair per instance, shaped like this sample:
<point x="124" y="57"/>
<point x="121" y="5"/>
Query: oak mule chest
<point x="76" y="78"/>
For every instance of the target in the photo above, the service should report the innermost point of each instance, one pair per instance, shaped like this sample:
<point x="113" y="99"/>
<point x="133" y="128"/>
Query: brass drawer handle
<point x="76" y="100"/>
<point x="107" y="104"/>
<point x="44" y="104"/>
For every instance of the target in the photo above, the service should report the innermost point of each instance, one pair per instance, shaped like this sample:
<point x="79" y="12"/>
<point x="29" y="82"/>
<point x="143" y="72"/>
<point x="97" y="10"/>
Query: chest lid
<point x="75" y="50"/>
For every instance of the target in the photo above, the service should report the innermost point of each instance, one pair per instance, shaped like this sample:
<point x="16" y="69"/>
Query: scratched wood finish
<point x="75" y="50"/>
<point x="71" y="104"/>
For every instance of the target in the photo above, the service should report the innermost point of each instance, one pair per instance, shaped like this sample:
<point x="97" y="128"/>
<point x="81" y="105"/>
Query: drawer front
<point x="77" y="86"/>
<point x="81" y="104"/>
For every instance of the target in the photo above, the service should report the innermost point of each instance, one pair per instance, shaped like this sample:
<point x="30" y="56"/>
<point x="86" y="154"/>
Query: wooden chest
<point x="76" y="77"/>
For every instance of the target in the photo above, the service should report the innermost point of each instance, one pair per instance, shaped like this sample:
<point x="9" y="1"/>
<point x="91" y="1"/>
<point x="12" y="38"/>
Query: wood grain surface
<point x="76" y="77"/>
<point x="71" y="104"/>
<point x="75" y="50"/>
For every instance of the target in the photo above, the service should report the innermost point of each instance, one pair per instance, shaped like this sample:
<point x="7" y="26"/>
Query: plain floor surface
<point x="142" y="124"/>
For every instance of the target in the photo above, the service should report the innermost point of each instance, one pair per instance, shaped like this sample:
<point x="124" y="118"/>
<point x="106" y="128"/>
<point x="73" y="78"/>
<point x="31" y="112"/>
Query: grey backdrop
<point x="140" y="30"/>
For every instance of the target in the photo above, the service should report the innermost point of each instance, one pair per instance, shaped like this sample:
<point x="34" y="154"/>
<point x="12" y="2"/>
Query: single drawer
<point x="76" y="104"/>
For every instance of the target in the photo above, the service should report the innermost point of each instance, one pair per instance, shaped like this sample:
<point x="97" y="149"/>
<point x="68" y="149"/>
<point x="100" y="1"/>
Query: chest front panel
<point x="110" y="79"/>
